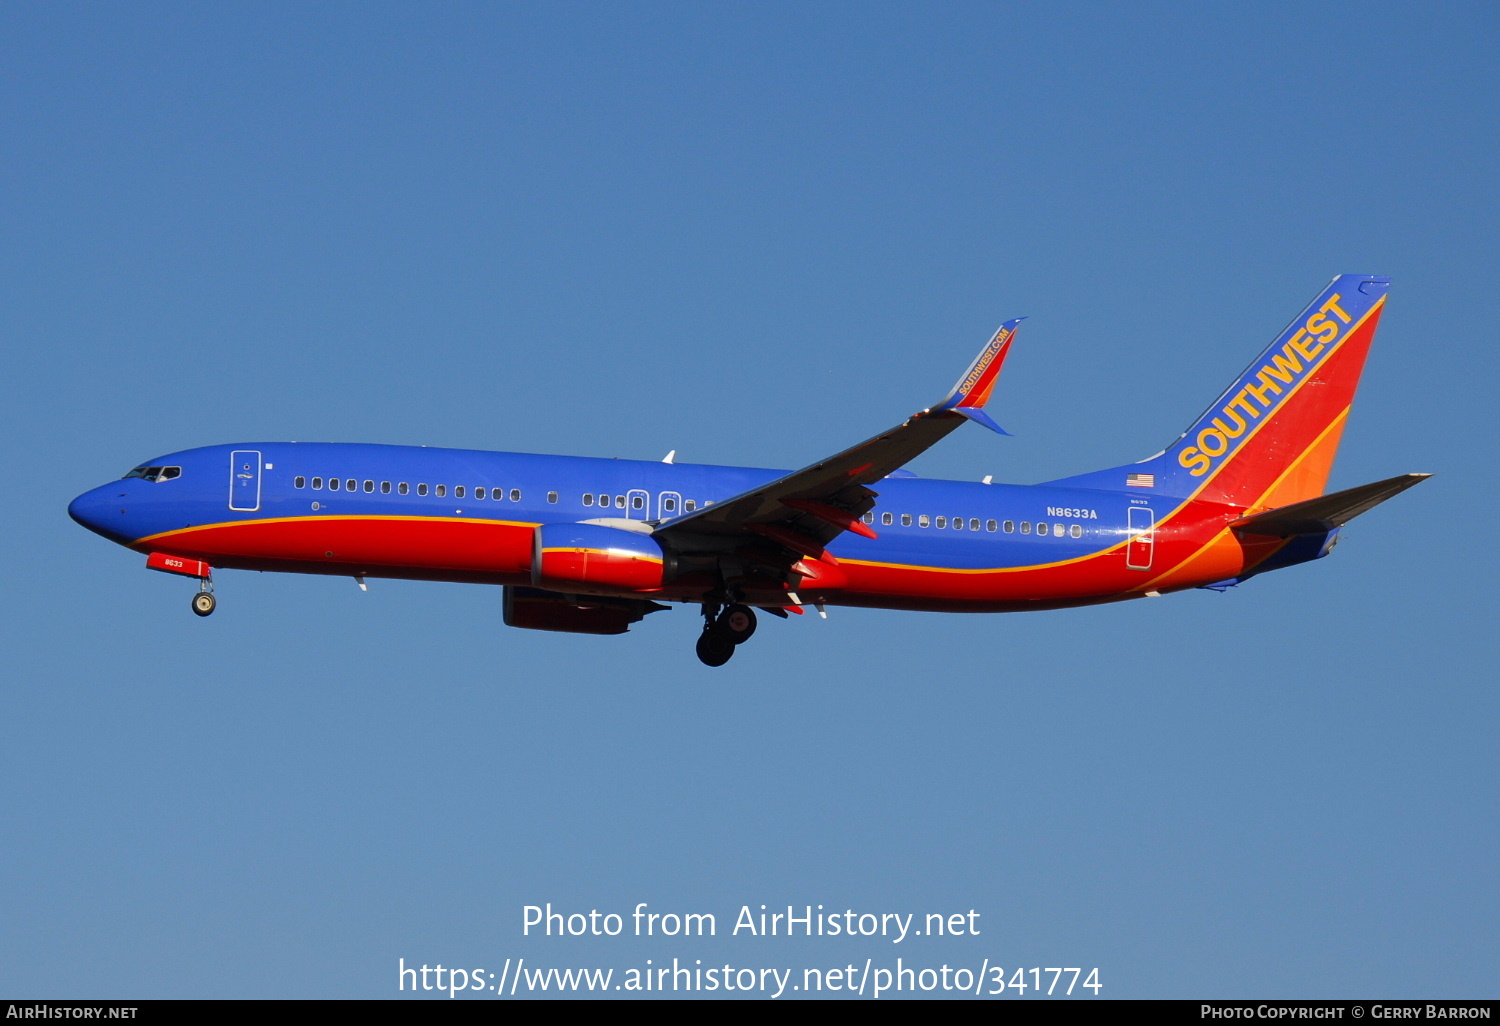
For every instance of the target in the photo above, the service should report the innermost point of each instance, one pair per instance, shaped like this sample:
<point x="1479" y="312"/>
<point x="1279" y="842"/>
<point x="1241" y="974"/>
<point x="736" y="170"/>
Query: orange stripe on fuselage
<point x="501" y="551"/>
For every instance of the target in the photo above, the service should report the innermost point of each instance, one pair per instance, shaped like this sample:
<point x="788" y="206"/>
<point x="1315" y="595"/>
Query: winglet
<point x="973" y="389"/>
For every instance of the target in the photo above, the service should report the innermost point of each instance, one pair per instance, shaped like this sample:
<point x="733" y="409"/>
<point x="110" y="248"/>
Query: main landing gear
<point x="722" y="631"/>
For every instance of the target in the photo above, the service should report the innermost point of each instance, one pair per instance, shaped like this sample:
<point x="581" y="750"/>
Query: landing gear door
<point x="244" y="481"/>
<point x="1139" y="550"/>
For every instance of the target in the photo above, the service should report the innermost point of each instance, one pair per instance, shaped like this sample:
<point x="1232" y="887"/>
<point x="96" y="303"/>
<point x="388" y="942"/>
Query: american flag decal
<point x="1140" y="480"/>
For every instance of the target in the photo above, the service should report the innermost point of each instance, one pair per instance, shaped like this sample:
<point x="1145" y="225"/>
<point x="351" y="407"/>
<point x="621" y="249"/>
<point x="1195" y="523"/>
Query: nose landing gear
<point x="184" y="566"/>
<point x="722" y="631"/>
<point x="204" y="602"/>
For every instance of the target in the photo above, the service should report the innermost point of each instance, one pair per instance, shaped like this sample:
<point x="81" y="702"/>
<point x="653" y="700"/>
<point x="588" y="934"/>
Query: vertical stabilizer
<point x="1270" y="439"/>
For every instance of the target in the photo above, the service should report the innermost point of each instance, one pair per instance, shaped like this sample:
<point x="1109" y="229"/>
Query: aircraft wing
<point x="806" y="509"/>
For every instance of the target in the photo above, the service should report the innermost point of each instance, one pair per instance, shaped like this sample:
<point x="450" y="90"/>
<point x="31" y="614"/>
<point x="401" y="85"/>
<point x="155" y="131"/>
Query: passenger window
<point x="974" y="524"/>
<point x="958" y="523"/>
<point x="333" y="484"/>
<point x="588" y="499"/>
<point x="351" y="485"/>
<point x="942" y="522"/>
<point x="887" y="519"/>
<point x="669" y="504"/>
<point x="479" y="493"/>
<point x="868" y="518"/>
<point x="620" y="501"/>
<point x="690" y="505"/>
<point x="299" y="482"/>
<point x="906" y="520"/>
<point x="1010" y="525"/>
<point x="990" y="525"/>
<point x="385" y="488"/>
<point x="1076" y="531"/>
<point x="636" y="501"/>
<point x="515" y="495"/>
<point x="369" y="486"/>
<point x="440" y="490"/>
<point x="552" y="497"/>
<point x="317" y="484"/>
<point x="403" y="488"/>
<point x="923" y="521"/>
<point x="1026" y="527"/>
<point x="458" y="491"/>
<point x="1058" y="530"/>
<point x="422" y="489"/>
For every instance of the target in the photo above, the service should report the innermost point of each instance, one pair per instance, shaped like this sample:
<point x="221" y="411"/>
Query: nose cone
<point x="102" y="510"/>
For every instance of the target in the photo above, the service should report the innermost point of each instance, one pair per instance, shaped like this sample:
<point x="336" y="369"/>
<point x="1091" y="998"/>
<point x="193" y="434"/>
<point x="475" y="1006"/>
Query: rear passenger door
<point x="1142" y="545"/>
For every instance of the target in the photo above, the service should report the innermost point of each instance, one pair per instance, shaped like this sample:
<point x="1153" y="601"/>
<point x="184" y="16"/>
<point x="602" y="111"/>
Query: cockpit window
<point x="154" y="473"/>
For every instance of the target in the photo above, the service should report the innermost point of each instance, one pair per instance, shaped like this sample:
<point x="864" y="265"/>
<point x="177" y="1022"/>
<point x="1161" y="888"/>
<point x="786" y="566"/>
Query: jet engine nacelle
<point x="539" y="610"/>
<point x="591" y="558"/>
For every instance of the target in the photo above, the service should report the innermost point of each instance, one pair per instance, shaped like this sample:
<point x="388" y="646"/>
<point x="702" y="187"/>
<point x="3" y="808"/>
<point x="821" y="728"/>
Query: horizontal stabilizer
<point x="1326" y="511"/>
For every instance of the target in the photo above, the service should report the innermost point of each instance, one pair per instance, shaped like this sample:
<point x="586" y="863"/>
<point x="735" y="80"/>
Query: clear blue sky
<point x="752" y="233"/>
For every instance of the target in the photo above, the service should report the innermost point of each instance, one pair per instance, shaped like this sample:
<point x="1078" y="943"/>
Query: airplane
<point x="592" y="546"/>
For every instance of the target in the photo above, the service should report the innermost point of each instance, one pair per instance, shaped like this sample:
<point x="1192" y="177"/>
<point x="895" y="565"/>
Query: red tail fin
<point x="1271" y="438"/>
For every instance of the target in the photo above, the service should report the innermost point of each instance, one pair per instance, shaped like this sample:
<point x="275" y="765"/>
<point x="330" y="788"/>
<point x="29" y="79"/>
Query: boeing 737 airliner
<point x="593" y="545"/>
